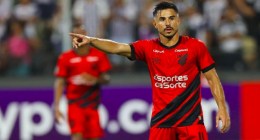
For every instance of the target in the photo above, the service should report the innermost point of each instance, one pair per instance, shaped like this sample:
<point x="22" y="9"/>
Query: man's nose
<point x="167" y="22"/>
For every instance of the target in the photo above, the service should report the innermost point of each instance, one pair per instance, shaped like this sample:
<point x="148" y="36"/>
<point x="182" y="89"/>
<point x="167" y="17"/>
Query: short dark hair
<point x="164" y="5"/>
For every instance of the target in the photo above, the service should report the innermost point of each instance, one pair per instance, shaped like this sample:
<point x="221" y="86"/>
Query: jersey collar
<point x="173" y="46"/>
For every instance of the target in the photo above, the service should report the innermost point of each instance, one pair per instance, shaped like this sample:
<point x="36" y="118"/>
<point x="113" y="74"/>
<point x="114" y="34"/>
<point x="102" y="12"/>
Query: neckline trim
<point x="173" y="46"/>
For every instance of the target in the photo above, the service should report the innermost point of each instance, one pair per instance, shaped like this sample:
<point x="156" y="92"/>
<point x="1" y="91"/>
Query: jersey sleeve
<point x="205" y="60"/>
<point x="61" y="68"/>
<point x="104" y="64"/>
<point x="138" y="50"/>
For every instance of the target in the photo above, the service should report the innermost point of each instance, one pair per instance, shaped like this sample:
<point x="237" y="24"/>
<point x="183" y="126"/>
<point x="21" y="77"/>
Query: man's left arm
<point x="218" y="94"/>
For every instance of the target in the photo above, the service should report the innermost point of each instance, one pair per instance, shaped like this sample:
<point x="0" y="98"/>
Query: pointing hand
<point x="79" y="40"/>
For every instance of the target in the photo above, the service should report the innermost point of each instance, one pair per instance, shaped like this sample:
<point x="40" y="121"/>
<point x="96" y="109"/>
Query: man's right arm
<point x="104" y="45"/>
<point x="245" y="9"/>
<point x="58" y="91"/>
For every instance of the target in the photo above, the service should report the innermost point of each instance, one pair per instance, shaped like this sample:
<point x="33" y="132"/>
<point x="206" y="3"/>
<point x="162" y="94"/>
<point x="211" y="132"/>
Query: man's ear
<point x="154" y="24"/>
<point x="179" y="21"/>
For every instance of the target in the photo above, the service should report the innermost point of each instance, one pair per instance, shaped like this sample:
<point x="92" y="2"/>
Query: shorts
<point x="84" y="121"/>
<point x="193" y="132"/>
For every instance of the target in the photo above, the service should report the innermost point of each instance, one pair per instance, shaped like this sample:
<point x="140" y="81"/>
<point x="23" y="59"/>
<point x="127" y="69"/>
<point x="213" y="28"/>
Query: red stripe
<point x="187" y="114"/>
<point x="250" y="121"/>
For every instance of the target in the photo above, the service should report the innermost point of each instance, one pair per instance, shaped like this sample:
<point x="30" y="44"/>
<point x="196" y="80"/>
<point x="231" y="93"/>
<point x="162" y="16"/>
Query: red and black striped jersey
<point x="175" y="77"/>
<point x="74" y="67"/>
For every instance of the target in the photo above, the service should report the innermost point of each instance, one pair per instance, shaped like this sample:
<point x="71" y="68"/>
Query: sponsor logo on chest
<point x="92" y="59"/>
<point x="158" y="51"/>
<point x="182" y="50"/>
<point x="88" y="59"/>
<point x="176" y="81"/>
<point x="75" y="60"/>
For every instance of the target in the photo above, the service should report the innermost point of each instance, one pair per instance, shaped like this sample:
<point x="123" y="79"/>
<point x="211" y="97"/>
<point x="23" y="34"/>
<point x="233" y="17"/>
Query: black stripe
<point x="132" y="57"/>
<point x="184" y="110"/>
<point x="208" y="68"/>
<point x="177" y="101"/>
<point x="85" y="95"/>
<point x="96" y="100"/>
<point x="192" y="118"/>
<point x="201" y="121"/>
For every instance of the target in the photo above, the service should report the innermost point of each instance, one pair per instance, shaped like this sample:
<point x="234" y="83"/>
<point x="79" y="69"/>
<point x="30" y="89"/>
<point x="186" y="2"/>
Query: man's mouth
<point x="168" y="29"/>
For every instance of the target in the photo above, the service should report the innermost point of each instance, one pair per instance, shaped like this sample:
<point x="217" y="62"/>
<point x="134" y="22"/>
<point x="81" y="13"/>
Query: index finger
<point x="76" y="35"/>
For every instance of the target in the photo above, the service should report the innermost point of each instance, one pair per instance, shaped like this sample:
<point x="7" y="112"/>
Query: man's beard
<point x="169" y="36"/>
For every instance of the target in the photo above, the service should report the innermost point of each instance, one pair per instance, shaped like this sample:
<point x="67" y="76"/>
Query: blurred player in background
<point x="175" y="64"/>
<point x="80" y="72"/>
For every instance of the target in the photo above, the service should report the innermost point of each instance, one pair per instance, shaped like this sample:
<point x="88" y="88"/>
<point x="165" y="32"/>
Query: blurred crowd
<point x="31" y="32"/>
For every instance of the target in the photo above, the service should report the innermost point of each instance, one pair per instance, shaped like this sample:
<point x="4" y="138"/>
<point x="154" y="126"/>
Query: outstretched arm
<point x="218" y="94"/>
<point x="244" y="8"/>
<point x="104" y="45"/>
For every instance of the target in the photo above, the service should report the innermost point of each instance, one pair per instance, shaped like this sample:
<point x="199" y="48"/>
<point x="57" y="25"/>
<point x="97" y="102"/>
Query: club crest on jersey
<point x="94" y="66"/>
<point x="182" y="59"/>
<point x="156" y="60"/>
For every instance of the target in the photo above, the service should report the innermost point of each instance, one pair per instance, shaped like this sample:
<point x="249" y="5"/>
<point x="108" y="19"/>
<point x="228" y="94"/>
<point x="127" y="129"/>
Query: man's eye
<point x="171" y="18"/>
<point x="161" y="19"/>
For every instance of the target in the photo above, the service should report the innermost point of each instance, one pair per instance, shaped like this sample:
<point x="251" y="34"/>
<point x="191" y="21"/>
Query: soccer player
<point x="80" y="72"/>
<point x="175" y="64"/>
